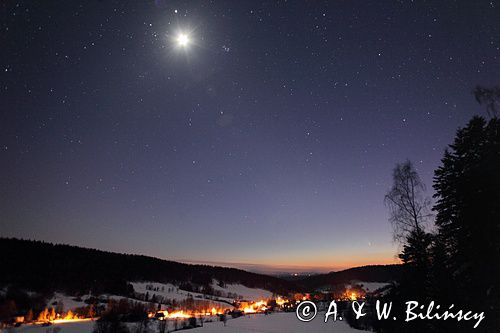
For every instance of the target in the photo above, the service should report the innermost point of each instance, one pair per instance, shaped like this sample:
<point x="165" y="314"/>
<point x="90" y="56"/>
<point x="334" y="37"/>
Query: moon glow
<point x="182" y="40"/>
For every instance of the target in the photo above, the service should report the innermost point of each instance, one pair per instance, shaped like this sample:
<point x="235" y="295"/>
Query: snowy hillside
<point x="249" y="294"/>
<point x="169" y="291"/>
<point x="228" y="293"/>
<point x="162" y="292"/>
<point x="66" y="302"/>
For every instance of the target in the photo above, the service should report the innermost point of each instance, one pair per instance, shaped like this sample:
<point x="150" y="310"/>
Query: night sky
<point x="269" y="138"/>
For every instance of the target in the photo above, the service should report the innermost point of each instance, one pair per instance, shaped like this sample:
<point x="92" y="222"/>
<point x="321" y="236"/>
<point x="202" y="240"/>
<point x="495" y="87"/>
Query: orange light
<point x="74" y="320"/>
<point x="256" y="307"/>
<point x="51" y="316"/>
<point x="186" y="314"/>
<point x="280" y="301"/>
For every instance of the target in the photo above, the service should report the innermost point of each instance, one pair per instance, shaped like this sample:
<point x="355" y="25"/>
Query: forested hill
<point x="41" y="266"/>
<point x="374" y="273"/>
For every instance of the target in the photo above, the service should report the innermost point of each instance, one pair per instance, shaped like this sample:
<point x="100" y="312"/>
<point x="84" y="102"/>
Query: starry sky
<point x="268" y="141"/>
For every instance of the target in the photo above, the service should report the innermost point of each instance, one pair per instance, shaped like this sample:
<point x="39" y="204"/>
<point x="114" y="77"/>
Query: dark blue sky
<point x="270" y="139"/>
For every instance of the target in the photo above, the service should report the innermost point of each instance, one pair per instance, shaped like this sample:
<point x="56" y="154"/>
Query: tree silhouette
<point x="408" y="206"/>
<point x="468" y="213"/>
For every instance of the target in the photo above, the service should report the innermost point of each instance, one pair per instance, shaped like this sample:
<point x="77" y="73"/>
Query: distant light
<point x="183" y="40"/>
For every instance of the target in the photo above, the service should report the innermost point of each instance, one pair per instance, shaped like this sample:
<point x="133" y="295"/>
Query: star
<point x="183" y="40"/>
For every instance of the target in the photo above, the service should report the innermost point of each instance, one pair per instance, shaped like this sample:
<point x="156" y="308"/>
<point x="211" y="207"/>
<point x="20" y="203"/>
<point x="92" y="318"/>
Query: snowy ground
<point x="273" y="323"/>
<point x="276" y="323"/>
<point x="249" y="294"/>
<point x="73" y="327"/>
<point x="165" y="290"/>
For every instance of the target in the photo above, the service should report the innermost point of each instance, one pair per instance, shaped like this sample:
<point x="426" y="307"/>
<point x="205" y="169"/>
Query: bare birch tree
<point x="409" y="207"/>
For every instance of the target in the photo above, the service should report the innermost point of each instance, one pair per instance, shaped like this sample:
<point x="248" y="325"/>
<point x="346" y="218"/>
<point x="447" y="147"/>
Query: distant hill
<point x="40" y="266"/>
<point x="376" y="273"/>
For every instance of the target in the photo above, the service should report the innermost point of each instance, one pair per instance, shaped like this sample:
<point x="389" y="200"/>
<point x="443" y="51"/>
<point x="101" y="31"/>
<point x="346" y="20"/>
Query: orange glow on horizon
<point x="322" y="263"/>
<point x="337" y="265"/>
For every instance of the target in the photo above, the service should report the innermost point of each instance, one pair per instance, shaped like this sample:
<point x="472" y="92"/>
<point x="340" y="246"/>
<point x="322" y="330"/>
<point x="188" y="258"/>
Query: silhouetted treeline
<point x="373" y="273"/>
<point x="40" y="266"/>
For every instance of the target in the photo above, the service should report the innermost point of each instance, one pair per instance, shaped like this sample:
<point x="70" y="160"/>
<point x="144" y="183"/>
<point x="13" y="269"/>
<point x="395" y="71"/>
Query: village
<point x="169" y="308"/>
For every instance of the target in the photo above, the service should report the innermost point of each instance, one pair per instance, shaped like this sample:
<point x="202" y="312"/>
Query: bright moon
<point x="182" y="40"/>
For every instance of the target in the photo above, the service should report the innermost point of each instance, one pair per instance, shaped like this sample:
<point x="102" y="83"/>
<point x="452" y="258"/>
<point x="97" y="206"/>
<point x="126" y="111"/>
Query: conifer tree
<point x="467" y="188"/>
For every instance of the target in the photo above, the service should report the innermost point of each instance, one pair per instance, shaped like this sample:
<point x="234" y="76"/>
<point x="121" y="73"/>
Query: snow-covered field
<point x="249" y="294"/>
<point x="228" y="293"/>
<point x="273" y="323"/>
<point x="276" y="323"/>
<point x="70" y="327"/>
<point x="170" y="291"/>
